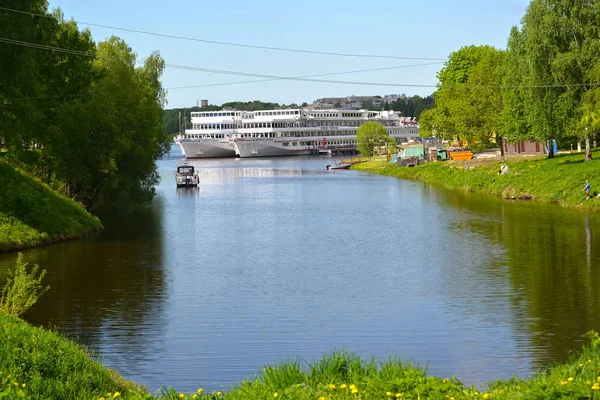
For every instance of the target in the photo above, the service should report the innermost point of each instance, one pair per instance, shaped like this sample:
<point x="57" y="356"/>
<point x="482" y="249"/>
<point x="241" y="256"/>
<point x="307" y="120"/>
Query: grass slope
<point x="38" y="364"/>
<point x="559" y="180"/>
<point x="32" y="214"/>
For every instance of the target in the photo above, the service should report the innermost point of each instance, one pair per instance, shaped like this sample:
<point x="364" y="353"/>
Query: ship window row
<point x="334" y="142"/>
<point x="214" y="126"/>
<point x="206" y="136"/>
<point x="215" y="114"/>
<point x="283" y="112"/>
<point x="295" y="134"/>
<point x="254" y="125"/>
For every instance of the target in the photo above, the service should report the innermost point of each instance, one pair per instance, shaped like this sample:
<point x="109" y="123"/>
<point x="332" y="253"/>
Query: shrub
<point x="22" y="289"/>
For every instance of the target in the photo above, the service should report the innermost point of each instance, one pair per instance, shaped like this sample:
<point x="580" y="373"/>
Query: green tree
<point x="468" y="100"/>
<point x="20" y="68"/>
<point x="371" y="136"/>
<point x="552" y="56"/>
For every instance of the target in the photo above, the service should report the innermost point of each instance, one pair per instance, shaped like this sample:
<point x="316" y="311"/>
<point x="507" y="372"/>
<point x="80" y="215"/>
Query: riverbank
<point x="559" y="180"/>
<point x="32" y="214"/>
<point x="35" y="363"/>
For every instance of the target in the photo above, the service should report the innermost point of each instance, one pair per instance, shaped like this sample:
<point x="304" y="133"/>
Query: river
<point x="279" y="259"/>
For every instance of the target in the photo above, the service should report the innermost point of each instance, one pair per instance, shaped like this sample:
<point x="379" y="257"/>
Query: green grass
<point x="50" y="366"/>
<point x="32" y="214"/>
<point x="38" y="364"/>
<point x="559" y="180"/>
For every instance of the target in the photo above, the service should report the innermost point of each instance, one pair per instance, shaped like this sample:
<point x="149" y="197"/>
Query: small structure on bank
<point x="524" y="147"/>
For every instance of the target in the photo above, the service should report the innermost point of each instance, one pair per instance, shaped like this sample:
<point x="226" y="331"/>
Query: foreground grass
<point x="32" y="214"/>
<point x="38" y="364"/>
<point x="559" y="180"/>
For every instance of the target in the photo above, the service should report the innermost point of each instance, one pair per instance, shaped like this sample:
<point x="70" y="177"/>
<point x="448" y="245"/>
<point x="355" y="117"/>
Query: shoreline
<point x="558" y="181"/>
<point x="49" y="365"/>
<point x="33" y="215"/>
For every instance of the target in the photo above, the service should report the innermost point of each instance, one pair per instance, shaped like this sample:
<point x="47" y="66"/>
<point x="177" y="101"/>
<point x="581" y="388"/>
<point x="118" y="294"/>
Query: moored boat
<point x="268" y="133"/>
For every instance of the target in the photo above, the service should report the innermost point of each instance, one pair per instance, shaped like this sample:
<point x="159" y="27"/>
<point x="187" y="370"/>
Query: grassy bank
<point x="559" y="180"/>
<point x="38" y="364"/>
<point x="32" y="214"/>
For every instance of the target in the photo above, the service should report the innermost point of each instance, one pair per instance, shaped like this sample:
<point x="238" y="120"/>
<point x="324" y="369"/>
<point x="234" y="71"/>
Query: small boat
<point x="338" y="166"/>
<point x="186" y="176"/>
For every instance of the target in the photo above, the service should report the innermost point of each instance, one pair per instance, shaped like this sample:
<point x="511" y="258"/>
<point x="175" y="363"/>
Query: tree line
<point x="90" y="113"/>
<point x="544" y="86"/>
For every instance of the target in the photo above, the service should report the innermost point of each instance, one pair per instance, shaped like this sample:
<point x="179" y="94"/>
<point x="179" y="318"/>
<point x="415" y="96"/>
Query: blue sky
<point x="427" y="28"/>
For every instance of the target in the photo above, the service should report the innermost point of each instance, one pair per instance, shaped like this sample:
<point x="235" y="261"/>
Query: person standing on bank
<point x="586" y="189"/>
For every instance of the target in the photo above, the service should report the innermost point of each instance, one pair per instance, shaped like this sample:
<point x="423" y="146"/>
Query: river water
<point x="279" y="259"/>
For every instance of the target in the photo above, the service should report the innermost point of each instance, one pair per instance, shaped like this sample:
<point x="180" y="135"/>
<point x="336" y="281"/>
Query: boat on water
<point x="267" y="133"/>
<point x="338" y="166"/>
<point x="185" y="176"/>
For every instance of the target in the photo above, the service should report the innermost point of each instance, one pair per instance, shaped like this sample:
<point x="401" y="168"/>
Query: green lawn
<point x="559" y="180"/>
<point x="32" y="214"/>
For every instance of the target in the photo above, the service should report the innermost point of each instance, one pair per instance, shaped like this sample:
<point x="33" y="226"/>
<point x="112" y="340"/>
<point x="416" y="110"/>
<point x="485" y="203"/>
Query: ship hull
<point x="270" y="148"/>
<point x="206" y="148"/>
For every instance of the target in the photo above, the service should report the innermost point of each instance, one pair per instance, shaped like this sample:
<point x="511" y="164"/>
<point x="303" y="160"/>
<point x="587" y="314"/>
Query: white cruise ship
<point x="268" y="133"/>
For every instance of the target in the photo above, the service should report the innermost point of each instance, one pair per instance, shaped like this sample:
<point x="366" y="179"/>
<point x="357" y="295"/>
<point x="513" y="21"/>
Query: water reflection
<point x="549" y="259"/>
<point x="106" y="291"/>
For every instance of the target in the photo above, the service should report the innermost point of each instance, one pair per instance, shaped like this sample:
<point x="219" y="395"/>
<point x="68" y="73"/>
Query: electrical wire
<point x="303" y="79"/>
<point x="250" y="46"/>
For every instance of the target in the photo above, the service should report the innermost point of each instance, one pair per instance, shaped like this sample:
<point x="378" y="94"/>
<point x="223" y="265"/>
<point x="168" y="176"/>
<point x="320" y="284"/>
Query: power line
<point x="306" y="76"/>
<point x="250" y="46"/>
<point x="303" y="79"/>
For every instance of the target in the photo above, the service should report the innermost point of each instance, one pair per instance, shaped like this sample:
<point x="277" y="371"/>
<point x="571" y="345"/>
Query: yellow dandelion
<point x="562" y="383"/>
<point x="101" y="398"/>
<point x="595" y="387"/>
<point x="446" y="380"/>
<point x="355" y="390"/>
<point x="194" y="396"/>
<point x="476" y="393"/>
<point x="389" y="394"/>
<point x="570" y="379"/>
<point x="321" y="398"/>
<point x="219" y="393"/>
<point x="200" y="390"/>
<point x="589" y="361"/>
<point x="581" y="365"/>
<point x="399" y="395"/>
<point x="343" y="386"/>
<point x="181" y="395"/>
<point x="331" y="386"/>
<point x="352" y="387"/>
<point x="485" y="395"/>
<point x="117" y="394"/>
<point x="451" y="398"/>
<point x="588" y="382"/>
<point x="275" y="394"/>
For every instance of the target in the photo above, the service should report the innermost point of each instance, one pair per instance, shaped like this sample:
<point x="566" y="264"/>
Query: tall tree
<point x="468" y="99"/>
<point x="552" y="55"/>
<point x="20" y="68"/>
